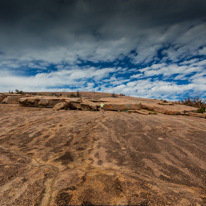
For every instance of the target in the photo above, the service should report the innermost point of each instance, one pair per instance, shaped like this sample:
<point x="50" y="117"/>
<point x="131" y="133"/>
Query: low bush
<point x="194" y="102"/>
<point x="201" y="110"/>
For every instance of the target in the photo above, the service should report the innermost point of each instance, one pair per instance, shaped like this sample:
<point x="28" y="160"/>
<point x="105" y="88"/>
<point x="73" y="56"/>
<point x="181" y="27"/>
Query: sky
<point x="142" y="48"/>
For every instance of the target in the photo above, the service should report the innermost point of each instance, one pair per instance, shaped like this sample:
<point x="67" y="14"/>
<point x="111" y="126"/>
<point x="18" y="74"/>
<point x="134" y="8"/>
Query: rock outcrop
<point x="11" y="99"/>
<point x="167" y="109"/>
<point x="47" y="102"/>
<point x="122" y="106"/>
<point x="90" y="106"/>
<point x="142" y="111"/>
<point x="200" y="115"/>
<point x="130" y="104"/>
<point x="2" y="97"/>
<point x="61" y="105"/>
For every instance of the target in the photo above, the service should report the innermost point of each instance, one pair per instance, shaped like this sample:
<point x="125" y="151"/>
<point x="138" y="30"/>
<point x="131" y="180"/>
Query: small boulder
<point x="43" y="102"/>
<point x="29" y="101"/>
<point x="89" y="106"/>
<point x="14" y="99"/>
<point x="61" y="105"/>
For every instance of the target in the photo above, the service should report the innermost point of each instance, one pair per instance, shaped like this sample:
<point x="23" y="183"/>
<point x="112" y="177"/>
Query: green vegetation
<point x="201" y="110"/>
<point x="18" y="92"/>
<point x="163" y="100"/>
<point x="153" y="113"/>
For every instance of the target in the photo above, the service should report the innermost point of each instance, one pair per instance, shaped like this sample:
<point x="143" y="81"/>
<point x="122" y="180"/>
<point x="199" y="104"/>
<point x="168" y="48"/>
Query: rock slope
<point x="72" y="157"/>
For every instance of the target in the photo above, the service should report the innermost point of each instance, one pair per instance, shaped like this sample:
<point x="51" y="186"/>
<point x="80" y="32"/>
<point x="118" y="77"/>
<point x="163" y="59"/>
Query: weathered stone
<point x="43" y="102"/>
<point x="48" y="102"/>
<point x="14" y="99"/>
<point x="29" y="102"/>
<point x="61" y="105"/>
<point x="89" y="106"/>
<point x="144" y="112"/>
<point x="172" y="112"/>
<point x="88" y="158"/>
<point x="200" y="115"/>
<point x="75" y="105"/>
<point x="122" y="106"/>
<point x="2" y="97"/>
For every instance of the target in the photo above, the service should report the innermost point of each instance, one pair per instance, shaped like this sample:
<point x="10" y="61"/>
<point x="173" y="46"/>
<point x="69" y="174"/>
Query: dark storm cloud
<point x="51" y="38"/>
<point x="53" y="23"/>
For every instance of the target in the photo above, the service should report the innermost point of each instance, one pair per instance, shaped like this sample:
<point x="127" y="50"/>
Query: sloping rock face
<point x="89" y="158"/>
<point x="122" y="106"/>
<point x="13" y="99"/>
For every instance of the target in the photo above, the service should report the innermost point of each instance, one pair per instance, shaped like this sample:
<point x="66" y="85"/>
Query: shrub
<point x="18" y="92"/>
<point x="201" y="110"/>
<point x="165" y="101"/>
<point x="194" y="102"/>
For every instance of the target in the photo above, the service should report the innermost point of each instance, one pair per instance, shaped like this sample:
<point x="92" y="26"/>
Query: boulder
<point x="200" y="115"/>
<point x="43" y="102"/>
<point x="14" y="99"/>
<point x="48" y="103"/>
<point x="61" y="105"/>
<point x="29" y="101"/>
<point x="89" y="106"/>
<point x="2" y="97"/>
<point x="75" y="105"/>
<point x="122" y="106"/>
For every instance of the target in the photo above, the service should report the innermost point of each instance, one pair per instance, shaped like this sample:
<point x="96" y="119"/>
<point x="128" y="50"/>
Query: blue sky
<point x="152" y="49"/>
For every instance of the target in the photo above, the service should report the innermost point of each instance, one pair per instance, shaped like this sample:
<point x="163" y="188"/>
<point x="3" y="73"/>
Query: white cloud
<point x="73" y="76"/>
